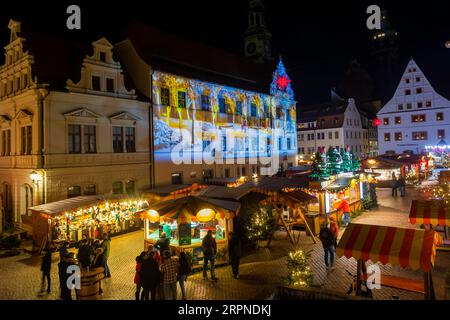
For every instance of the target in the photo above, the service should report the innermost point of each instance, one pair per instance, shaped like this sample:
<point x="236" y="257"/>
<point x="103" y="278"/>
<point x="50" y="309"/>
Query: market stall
<point x="432" y="214"/>
<point x="71" y="219"/>
<point x="383" y="168"/>
<point x="186" y="221"/>
<point x="413" y="248"/>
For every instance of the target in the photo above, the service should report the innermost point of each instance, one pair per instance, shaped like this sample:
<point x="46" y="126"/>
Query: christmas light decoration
<point x="299" y="272"/>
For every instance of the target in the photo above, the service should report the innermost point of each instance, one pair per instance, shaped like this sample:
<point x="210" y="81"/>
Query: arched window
<point x="117" y="187"/>
<point x="6" y="202"/>
<point x="26" y="198"/>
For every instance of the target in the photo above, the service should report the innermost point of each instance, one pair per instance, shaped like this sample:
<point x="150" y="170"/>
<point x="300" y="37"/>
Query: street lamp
<point x="36" y="177"/>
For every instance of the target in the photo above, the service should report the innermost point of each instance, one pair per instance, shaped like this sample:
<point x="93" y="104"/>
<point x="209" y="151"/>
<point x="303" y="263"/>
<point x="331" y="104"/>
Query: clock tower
<point x="257" y="37"/>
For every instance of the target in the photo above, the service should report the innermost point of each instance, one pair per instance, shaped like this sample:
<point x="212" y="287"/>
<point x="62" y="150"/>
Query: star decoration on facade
<point x="283" y="82"/>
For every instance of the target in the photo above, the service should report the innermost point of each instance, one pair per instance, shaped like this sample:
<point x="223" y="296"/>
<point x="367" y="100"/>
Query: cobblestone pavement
<point x="260" y="272"/>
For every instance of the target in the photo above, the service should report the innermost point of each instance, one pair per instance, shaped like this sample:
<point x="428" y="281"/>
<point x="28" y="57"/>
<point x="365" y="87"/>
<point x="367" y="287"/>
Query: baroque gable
<point x="124" y="118"/>
<point x="100" y="74"/>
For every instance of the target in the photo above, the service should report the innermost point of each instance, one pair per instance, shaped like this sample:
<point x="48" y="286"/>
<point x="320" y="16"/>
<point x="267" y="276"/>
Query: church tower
<point x="385" y="55"/>
<point x="257" y="37"/>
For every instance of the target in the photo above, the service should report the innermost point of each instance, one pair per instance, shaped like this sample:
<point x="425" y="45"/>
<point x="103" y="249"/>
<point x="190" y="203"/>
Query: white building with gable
<point x="416" y="116"/>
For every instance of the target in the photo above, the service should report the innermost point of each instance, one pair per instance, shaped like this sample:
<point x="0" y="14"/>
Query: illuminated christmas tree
<point x="355" y="165"/>
<point x="260" y="225"/>
<point x="334" y="161"/>
<point x="346" y="160"/>
<point x="319" y="170"/>
<point x="299" y="272"/>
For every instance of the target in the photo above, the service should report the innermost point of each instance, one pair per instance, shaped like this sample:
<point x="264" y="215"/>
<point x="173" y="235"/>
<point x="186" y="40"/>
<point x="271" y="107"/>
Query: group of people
<point x="92" y="253"/>
<point x="328" y="236"/>
<point x="399" y="183"/>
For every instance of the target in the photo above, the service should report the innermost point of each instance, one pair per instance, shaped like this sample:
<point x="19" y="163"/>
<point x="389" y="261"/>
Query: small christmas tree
<point x="356" y="166"/>
<point x="299" y="272"/>
<point x="260" y="225"/>
<point x="346" y="160"/>
<point x="319" y="167"/>
<point x="334" y="161"/>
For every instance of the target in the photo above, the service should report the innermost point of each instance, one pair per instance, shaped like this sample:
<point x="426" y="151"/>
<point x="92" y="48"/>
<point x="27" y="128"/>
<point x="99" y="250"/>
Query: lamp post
<point x="36" y="177"/>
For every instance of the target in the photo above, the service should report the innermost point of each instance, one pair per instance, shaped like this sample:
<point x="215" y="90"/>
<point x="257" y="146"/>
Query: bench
<point x="399" y="283"/>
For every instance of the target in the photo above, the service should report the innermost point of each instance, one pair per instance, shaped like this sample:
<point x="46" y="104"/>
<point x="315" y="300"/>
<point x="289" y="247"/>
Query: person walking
<point x="234" y="253"/>
<point x="402" y="185"/>
<point x="150" y="276"/>
<point x="328" y="244"/>
<point x="45" y="268"/>
<point x="169" y="269"/>
<point x="137" y="275"/>
<point x="394" y="185"/>
<point x="106" y="247"/>
<point x="334" y="228"/>
<point x="66" y="290"/>
<point x="184" y="269"/>
<point x="209" y="247"/>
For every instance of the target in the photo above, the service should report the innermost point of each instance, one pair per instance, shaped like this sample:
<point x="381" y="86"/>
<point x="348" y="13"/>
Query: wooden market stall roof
<point x="193" y="204"/>
<point x="414" y="248"/>
<point x="381" y="163"/>
<point x="434" y="212"/>
<point x="59" y="207"/>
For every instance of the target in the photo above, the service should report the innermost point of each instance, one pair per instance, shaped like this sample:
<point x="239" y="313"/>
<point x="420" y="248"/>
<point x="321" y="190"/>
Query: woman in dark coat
<point x="150" y="276"/>
<point x="234" y="251"/>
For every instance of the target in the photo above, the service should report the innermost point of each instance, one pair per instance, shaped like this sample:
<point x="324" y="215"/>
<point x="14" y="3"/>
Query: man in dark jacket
<point x="234" y="252"/>
<point x="66" y="292"/>
<point x="85" y="253"/>
<point x="150" y="276"/>
<point x="163" y="244"/>
<point x="45" y="268"/>
<point x="209" y="247"/>
<point x="328" y="243"/>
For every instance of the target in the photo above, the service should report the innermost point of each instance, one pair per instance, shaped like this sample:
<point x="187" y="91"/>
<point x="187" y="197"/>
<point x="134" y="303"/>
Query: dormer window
<point x="102" y="56"/>
<point x="96" y="83"/>
<point x="110" y="85"/>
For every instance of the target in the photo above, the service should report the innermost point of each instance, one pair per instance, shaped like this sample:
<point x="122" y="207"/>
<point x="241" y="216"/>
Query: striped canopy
<point x="434" y="212"/>
<point x="412" y="248"/>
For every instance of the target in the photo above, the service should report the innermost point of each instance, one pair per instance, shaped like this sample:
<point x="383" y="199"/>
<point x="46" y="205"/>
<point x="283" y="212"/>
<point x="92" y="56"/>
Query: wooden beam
<point x="307" y="226"/>
<point x="358" y="276"/>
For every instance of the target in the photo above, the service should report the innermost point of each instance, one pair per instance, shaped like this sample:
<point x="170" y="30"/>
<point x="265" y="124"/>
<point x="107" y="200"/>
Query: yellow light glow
<point x="205" y="215"/>
<point x="153" y="215"/>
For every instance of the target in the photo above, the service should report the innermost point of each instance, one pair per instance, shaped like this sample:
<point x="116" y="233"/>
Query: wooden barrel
<point x="90" y="284"/>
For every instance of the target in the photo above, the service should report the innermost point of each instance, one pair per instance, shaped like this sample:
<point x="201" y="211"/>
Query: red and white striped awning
<point x="414" y="248"/>
<point x="434" y="212"/>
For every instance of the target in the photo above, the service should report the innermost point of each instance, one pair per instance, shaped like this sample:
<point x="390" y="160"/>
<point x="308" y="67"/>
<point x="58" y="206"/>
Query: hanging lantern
<point x="205" y="215"/>
<point x="152" y="216"/>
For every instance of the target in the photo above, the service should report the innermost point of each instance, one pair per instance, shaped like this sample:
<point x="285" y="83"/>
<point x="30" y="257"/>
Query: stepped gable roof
<point x="184" y="57"/>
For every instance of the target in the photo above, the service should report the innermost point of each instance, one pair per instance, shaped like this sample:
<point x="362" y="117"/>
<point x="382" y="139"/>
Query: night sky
<point x="317" y="39"/>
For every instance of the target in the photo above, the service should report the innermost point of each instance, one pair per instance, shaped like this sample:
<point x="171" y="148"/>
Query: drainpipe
<point x="151" y="133"/>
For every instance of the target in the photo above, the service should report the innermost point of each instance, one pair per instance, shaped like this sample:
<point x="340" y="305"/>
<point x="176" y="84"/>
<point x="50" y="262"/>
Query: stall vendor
<point x="343" y="205"/>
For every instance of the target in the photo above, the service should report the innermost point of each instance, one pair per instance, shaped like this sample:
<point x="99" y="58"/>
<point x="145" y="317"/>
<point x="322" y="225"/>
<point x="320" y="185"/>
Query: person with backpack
<point x="184" y="269"/>
<point x="328" y="243"/>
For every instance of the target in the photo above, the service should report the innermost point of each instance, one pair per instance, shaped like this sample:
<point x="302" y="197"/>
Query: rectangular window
<point x="288" y="142"/>
<point x="322" y="135"/>
<point x="102" y="56"/>
<point x="387" y="137"/>
<point x="227" y="172"/>
<point x="318" y="136"/>
<point x="407" y="92"/>
<point x="407" y="80"/>
<point x="73" y="191"/>
<point x="441" y="134"/>
<point x="238" y="108"/>
<point x="18" y="83"/>
<point x="421" y="135"/>
<point x="90" y="145"/>
<point x="90" y="190"/>
<point x="398" y="136"/>
<point x="439" y="116"/>
<point x="418" y="90"/>
<point x="181" y="99"/>
<point x="336" y="134"/>
<point x="110" y="85"/>
<point x="417" y="79"/>
<point x="400" y="107"/>
<point x="130" y="139"/>
<point x="302" y="137"/>
<point x="96" y="83"/>
<point x="130" y="187"/>
<point x="419" y="105"/>
<point x="428" y="104"/>
<point x="330" y="135"/>
<point x="253" y="110"/>
<point x="279" y="112"/>
<point x="29" y="135"/>
<point x="74" y="132"/>
<point x="409" y="106"/>
<point x="165" y="96"/>
<point x="177" y="178"/>
<point x="222" y="105"/>
<point x="205" y="103"/>
<point x="418" y="118"/>
<point x="6" y="143"/>
<point x="117" y="139"/>
<point x="386" y="121"/>
<point x="280" y="143"/>
<point x="398" y="120"/>
<point x="224" y="143"/>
